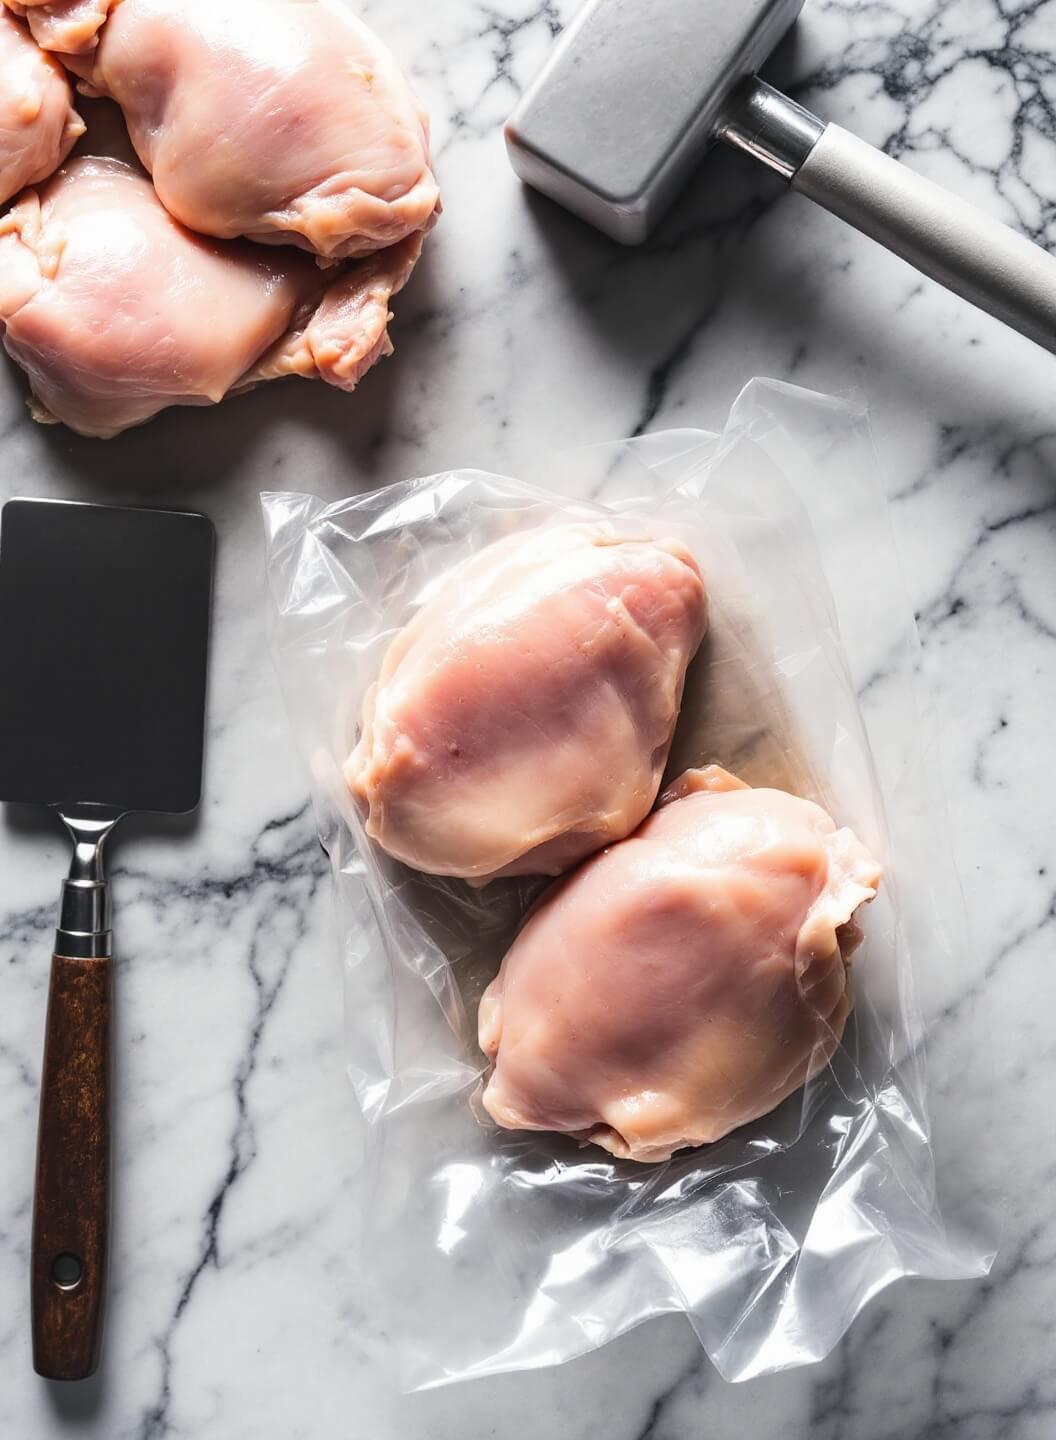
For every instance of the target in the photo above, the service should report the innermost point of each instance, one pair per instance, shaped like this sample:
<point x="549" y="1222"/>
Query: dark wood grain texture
<point x="71" y="1210"/>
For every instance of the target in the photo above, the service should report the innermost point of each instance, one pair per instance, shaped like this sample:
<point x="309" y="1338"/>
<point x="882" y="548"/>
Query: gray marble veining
<point x="234" y="1310"/>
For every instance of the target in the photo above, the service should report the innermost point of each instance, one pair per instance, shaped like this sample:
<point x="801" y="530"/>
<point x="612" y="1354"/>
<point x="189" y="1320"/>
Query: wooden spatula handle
<point x="71" y="1208"/>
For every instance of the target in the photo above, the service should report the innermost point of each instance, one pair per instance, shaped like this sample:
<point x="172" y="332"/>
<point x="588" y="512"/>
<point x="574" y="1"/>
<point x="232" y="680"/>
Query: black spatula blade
<point x="104" y="620"/>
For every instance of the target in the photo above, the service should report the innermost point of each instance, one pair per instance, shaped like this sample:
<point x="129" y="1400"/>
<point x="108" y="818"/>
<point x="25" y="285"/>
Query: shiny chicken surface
<point x="38" y="123"/>
<point x="523" y="718"/>
<point x="683" y="982"/>
<point x="286" y="121"/>
<point x="115" y="311"/>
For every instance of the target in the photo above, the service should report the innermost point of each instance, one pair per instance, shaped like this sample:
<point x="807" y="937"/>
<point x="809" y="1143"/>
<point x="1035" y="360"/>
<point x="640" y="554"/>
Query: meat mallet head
<point x="631" y="97"/>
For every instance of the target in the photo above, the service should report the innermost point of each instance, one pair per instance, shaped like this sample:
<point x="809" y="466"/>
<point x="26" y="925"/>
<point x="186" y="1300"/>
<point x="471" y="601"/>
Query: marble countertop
<point x="234" y="1309"/>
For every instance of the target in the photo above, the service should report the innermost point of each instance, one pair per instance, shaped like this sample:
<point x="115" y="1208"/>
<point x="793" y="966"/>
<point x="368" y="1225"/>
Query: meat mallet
<point x="637" y="90"/>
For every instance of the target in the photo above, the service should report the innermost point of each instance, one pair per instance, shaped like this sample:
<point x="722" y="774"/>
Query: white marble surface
<point x="234" y="1306"/>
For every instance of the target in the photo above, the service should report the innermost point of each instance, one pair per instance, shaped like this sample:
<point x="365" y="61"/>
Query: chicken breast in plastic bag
<point x="285" y="121"/>
<point x="38" y="124"/>
<point x="115" y="311"/>
<point x="523" y="718"/>
<point x="683" y="982"/>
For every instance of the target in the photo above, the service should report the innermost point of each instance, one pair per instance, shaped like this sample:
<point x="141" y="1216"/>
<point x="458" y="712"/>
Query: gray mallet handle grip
<point x="970" y="253"/>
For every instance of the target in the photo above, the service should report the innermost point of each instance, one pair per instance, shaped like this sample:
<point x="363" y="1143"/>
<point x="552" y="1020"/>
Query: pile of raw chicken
<point x="690" y="971"/>
<point x="284" y="194"/>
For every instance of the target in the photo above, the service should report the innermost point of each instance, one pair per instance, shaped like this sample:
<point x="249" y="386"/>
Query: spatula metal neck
<point x="84" y="918"/>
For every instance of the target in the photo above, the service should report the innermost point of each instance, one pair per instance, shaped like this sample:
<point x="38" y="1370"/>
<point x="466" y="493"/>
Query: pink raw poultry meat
<point x="683" y="982"/>
<point x="38" y="123"/>
<point x="524" y="716"/>
<point x="115" y="311"/>
<point x="348" y="332"/>
<point x="286" y="121"/>
<point x="65" y="26"/>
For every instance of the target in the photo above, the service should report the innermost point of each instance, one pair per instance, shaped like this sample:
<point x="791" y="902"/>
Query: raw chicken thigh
<point x="115" y="311"/>
<point x="685" y="981"/>
<point x="279" y="120"/>
<point x="38" y="123"/>
<point x="348" y="332"/>
<point x="523" y="718"/>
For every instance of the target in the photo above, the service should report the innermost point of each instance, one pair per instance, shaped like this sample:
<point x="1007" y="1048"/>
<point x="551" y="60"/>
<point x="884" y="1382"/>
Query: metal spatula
<point x="104" y="624"/>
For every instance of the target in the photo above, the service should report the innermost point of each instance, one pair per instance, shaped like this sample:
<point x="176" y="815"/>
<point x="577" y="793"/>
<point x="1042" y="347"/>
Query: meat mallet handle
<point x="944" y="237"/>
<point x="71" y="1208"/>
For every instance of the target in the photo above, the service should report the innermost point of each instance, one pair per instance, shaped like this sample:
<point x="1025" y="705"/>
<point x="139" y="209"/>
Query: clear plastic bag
<point x="488" y="1250"/>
